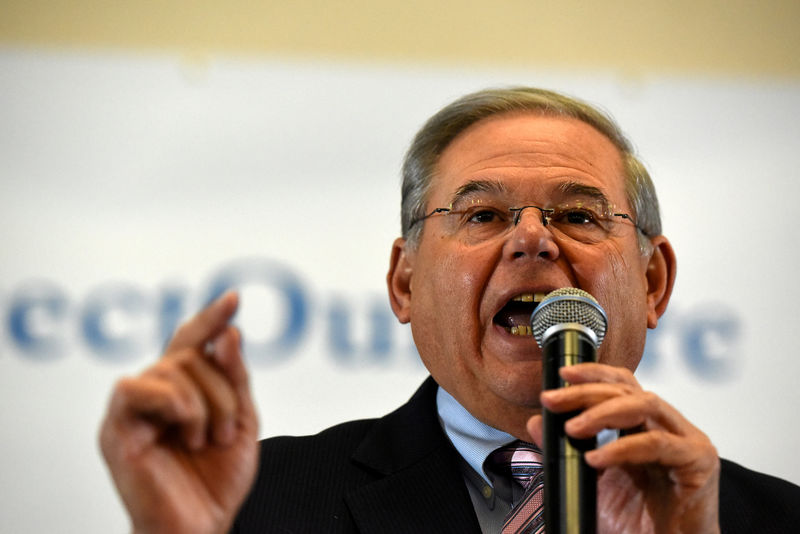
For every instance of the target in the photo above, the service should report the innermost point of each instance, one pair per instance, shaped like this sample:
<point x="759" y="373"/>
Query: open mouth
<point x="515" y="316"/>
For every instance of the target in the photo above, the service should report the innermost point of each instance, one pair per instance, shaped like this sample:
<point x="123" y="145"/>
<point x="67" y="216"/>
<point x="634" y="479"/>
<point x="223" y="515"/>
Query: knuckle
<point x="162" y="370"/>
<point x="123" y="384"/>
<point x="660" y="440"/>
<point x="195" y="411"/>
<point x="625" y="373"/>
<point x="124" y="388"/>
<point x="707" y="447"/>
<point x="174" y="362"/>
<point x="182" y="331"/>
<point x="180" y="356"/>
<point x="223" y="403"/>
<point x="650" y="401"/>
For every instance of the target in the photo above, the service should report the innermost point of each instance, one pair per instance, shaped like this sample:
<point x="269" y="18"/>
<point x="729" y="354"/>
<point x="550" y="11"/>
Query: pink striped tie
<point x="525" y="463"/>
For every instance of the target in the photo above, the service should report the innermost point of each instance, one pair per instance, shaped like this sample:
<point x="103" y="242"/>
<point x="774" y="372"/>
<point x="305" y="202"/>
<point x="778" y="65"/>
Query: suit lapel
<point x="420" y="486"/>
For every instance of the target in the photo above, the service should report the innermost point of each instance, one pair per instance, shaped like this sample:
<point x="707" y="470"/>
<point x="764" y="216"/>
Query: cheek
<point x="471" y="271"/>
<point x="615" y="277"/>
<point x="610" y="273"/>
<point x="445" y="297"/>
<point x="461" y="273"/>
<point x="592" y="269"/>
<point x="439" y="290"/>
<point x="449" y="292"/>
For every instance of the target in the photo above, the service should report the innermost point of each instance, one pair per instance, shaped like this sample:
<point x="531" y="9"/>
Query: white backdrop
<point x="132" y="186"/>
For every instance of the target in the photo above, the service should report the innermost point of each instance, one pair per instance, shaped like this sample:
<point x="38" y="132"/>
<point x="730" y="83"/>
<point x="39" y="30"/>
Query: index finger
<point x="207" y="324"/>
<point x="584" y="373"/>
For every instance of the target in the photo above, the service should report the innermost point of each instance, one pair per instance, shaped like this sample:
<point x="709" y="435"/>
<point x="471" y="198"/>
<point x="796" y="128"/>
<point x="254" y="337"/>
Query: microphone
<point x="569" y="326"/>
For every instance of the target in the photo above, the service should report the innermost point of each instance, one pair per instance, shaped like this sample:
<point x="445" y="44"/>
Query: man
<point x="507" y="195"/>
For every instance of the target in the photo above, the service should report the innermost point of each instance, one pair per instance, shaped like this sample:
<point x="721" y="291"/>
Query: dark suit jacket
<point x="399" y="474"/>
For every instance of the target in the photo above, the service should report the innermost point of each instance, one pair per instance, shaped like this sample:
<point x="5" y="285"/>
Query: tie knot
<point x="520" y="459"/>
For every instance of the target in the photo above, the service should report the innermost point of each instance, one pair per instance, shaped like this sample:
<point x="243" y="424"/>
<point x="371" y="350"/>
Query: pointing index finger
<point x="207" y="324"/>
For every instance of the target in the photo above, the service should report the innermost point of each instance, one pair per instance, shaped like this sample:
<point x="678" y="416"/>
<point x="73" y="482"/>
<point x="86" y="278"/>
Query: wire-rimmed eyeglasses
<point x="586" y="221"/>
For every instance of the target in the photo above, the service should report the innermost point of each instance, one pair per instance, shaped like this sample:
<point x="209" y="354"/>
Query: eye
<point x="483" y="216"/>
<point x="576" y="216"/>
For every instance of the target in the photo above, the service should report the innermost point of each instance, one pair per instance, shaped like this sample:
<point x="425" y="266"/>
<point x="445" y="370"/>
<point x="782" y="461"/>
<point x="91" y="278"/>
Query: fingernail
<point x="592" y="457"/>
<point x="573" y="424"/>
<point x="552" y="394"/>
<point x="224" y="296"/>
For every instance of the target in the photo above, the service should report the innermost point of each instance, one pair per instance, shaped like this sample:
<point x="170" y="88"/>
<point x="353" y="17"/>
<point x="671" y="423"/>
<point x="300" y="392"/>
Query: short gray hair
<point x="423" y="155"/>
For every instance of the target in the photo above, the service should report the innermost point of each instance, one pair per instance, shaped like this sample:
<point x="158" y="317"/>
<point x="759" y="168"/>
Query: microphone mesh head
<point x="569" y="305"/>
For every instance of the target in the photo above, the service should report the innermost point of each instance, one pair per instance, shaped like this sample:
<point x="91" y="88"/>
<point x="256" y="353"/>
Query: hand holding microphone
<point x="662" y="477"/>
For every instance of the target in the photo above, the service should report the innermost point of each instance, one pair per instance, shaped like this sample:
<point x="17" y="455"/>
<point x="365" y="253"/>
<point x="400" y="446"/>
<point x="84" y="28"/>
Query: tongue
<point x="519" y="319"/>
<point x="515" y="314"/>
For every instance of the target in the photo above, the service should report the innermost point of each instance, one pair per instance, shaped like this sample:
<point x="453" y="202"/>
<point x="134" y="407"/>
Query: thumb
<point x="534" y="428"/>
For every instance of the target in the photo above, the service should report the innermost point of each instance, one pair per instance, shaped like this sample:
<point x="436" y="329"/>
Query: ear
<point x="660" y="273"/>
<point x="398" y="280"/>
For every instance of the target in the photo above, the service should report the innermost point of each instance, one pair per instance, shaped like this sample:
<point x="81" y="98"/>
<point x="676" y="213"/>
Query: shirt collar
<point x="473" y="439"/>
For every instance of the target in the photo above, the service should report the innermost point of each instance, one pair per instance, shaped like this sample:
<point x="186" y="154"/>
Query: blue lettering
<point x="378" y="346"/>
<point x="339" y="324"/>
<point x="96" y="316"/>
<point x="32" y="317"/>
<point x="382" y="322"/>
<point x="708" y="340"/>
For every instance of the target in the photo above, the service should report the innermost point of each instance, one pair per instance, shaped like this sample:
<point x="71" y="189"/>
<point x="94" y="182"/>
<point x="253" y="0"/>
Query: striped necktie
<point x="524" y="462"/>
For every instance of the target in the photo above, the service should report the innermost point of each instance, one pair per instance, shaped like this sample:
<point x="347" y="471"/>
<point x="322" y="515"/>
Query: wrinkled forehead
<point x="510" y="192"/>
<point x="529" y="156"/>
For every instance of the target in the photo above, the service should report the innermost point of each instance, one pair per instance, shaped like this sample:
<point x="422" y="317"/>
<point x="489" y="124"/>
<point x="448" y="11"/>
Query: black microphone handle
<point x="570" y="485"/>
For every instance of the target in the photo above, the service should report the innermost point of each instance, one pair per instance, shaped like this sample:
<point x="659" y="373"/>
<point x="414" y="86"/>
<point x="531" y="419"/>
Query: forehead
<point x="532" y="155"/>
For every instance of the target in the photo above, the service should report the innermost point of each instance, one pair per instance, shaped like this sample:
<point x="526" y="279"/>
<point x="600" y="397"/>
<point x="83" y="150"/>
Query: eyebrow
<point x="479" y="186"/>
<point x="569" y="188"/>
<point x="578" y="189"/>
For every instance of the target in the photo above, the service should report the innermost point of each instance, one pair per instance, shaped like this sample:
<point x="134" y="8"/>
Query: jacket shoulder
<point x="395" y="474"/>
<point x="750" y="501"/>
<point x="301" y="481"/>
<point x="327" y="445"/>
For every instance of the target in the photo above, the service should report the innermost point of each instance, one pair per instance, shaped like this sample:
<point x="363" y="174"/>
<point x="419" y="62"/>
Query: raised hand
<point x="181" y="438"/>
<point x="661" y="476"/>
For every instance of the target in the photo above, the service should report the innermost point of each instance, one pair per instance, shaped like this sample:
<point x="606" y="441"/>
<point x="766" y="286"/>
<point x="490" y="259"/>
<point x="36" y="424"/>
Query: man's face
<point x="456" y="291"/>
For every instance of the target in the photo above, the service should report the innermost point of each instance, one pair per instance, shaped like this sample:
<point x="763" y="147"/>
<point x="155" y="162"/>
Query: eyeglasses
<point x="476" y="220"/>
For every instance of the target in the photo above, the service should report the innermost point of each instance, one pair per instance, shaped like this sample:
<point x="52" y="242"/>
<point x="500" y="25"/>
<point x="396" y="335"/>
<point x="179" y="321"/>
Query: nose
<point x="530" y="237"/>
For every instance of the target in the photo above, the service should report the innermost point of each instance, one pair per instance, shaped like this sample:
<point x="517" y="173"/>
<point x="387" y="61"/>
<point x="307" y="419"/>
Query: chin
<point x="527" y="398"/>
<point x="521" y="389"/>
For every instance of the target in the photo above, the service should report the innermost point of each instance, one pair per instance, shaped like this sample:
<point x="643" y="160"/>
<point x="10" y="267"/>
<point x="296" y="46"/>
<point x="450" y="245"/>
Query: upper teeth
<point x="529" y="297"/>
